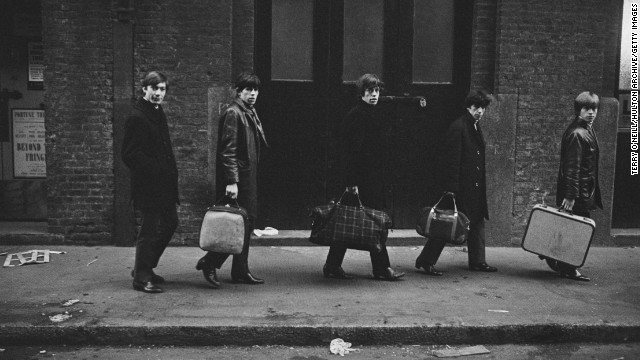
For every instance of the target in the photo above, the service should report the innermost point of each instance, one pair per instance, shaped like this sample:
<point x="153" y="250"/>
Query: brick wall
<point x="190" y="41"/>
<point x="78" y="55"/>
<point x="243" y="35"/>
<point x="484" y="45"/>
<point x="547" y="52"/>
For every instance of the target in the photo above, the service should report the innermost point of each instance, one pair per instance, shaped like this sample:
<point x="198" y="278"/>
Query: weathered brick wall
<point x="78" y="55"/>
<point x="243" y="38"/>
<point x="484" y="45"/>
<point x="190" y="41"/>
<point x="547" y="53"/>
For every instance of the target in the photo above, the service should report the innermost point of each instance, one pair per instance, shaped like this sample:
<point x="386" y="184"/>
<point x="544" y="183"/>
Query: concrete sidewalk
<point x="524" y="302"/>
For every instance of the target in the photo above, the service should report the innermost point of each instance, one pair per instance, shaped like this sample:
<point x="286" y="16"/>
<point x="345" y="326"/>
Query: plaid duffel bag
<point x="354" y="227"/>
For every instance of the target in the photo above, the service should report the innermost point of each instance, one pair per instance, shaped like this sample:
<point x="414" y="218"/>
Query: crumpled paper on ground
<point x="267" y="231"/>
<point x="60" y="317"/>
<point x="340" y="347"/>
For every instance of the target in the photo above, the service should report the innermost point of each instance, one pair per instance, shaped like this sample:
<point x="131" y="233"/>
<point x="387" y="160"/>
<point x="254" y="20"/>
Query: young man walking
<point x="148" y="153"/>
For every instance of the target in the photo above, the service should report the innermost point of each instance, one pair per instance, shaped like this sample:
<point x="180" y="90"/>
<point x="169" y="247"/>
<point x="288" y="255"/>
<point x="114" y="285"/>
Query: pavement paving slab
<point x="525" y="302"/>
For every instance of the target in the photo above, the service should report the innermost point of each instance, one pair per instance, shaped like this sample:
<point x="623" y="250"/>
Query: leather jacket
<point x="578" y="172"/>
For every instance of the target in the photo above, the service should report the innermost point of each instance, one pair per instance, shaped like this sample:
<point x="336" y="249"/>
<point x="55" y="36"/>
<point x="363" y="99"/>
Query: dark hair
<point x="586" y="99"/>
<point x="247" y="80"/>
<point x="477" y="98"/>
<point x="368" y="81"/>
<point x="154" y="78"/>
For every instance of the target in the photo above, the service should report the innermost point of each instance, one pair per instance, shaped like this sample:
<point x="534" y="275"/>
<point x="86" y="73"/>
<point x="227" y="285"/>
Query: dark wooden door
<point x="309" y="54"/>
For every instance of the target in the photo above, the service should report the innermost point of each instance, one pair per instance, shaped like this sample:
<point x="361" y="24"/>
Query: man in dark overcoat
<point x="147" y="152"/>
<point x="578" y="189"/>
<point x="363" y="153"/>
<point x="239" y="139"/>
<point x="464" y="176"/>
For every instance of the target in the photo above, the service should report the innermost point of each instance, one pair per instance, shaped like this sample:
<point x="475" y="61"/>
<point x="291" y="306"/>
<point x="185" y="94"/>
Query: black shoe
<point x="388" y="274"/>
<point x="553" y="264"/>
<point x="430" y="270"/>
<point x="246" y="278"/>
<point x="147" y="286"/>
<point x="482" y="267"/>
<point x="209" y="272"/>
<point x="574" y="275"/>
<point x="156" y="279"/>
<point x="335" y="274"/>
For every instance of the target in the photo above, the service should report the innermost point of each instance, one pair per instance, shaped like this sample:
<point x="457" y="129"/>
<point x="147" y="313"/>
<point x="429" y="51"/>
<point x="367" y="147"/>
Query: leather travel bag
<point x="354" y="227"/>
<point x="223" y="228"/>
<point x="449" y="225"/>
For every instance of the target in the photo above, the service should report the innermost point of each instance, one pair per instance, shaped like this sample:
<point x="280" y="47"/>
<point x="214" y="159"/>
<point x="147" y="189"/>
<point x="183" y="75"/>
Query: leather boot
<point x="209" y="272"/>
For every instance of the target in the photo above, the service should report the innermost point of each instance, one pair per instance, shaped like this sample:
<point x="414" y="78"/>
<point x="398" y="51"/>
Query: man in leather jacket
<point x="240" y="137"/>
<point x="578" y="189"/>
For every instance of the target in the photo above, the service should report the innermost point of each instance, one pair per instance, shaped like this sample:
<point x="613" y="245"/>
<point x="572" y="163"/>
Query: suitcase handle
<point x="229" y="202"/>
<point x="561" y="209"/>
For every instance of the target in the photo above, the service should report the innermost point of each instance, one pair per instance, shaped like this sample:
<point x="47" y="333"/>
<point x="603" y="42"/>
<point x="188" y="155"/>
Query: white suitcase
<point x="223" y="229"/>
<point x="558" y="235"/>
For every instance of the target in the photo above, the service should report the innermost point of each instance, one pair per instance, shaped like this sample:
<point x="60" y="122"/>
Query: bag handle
<point x="455" y="213"/>
<point x="453" y="197"/>
<point x="229" y="201"/>
<point x="357" y="196"/>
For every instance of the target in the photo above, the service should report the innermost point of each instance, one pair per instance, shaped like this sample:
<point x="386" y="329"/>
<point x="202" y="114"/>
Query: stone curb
<point x="313" y="336"/>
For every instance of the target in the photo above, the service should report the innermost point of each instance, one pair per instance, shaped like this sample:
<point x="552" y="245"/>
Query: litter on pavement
<point x="340" y="347"/>
<point x="267" y="231"/>
<point x="70" y="302"/>
<point x="60" y="317"/>
<point x="29" y="257"/>
<point x="453" y="352"/>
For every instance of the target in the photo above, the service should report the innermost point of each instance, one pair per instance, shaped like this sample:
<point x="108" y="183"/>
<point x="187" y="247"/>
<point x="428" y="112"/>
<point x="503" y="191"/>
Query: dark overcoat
<point x="147" y="152"/>
<point x="578" y="172"/>
<point x="464" y="167"/>
<point x="238" y="152"/>
<point x="363" y="153"/>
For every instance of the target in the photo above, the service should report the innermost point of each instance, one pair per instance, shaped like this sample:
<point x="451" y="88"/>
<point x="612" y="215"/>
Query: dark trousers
<point x="564" y="267"/>
<point x="240" y="265"/>
<point x="475" y="244"/>
<point x="379" y="260"/>
<point x="158" y="225"/>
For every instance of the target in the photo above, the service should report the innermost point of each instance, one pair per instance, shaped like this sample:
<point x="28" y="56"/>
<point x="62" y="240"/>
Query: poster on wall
<point x="28" y="144"/>
<point x="36" y="66"/>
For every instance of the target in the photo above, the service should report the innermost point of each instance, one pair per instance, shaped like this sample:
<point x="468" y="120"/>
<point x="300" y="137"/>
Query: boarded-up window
<point x="363" y="38"/>
<point x="292" y="40"/>
<point x="433" y="41"/>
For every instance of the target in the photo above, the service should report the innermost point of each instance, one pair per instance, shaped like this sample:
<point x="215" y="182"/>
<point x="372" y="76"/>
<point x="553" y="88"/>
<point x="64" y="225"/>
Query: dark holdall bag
<point x="449" y="225"/>
<point x="223" y="228"/>
<point x="354" y="227"/>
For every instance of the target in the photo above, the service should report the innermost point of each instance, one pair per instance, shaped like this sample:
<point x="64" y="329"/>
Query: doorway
<point x="309" y="54"/>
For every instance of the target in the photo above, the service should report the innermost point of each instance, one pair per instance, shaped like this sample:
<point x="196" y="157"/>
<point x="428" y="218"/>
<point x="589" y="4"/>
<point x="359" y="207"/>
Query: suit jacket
<point x="238" y="153"/>
<point x="578" y="172"/>
<point x="464" y="167"/>
<point x="147" y="152"/>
